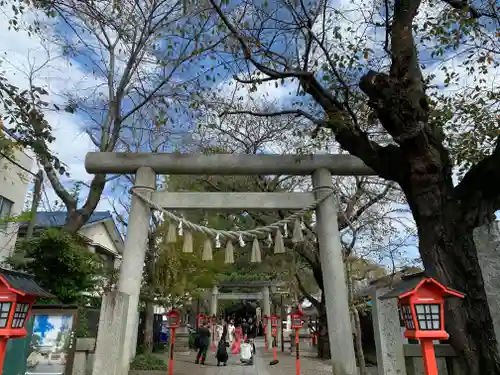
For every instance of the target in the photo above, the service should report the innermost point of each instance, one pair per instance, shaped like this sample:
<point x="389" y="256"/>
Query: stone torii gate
<point x="266" y="287"/>
<point x="119" y="315"/>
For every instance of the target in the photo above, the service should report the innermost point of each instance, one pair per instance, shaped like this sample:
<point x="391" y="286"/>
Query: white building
<point x="100" y="233"/>
<point x="14" y="183"/>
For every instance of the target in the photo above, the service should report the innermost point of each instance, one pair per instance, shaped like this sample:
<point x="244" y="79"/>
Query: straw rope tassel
<point x="256" y="255"/>
<point x="207" y="250"/>
<point x="297" y="236"/>
<point x="188" y="242"/>
<point x="229" y="258"/>
<point x="172" y="233"/>
<point x="279" y="246"/>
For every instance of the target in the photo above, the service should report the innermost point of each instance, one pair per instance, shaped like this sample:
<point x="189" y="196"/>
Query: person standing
<point x="230" y="332"/>
<point x="203" y="344"/>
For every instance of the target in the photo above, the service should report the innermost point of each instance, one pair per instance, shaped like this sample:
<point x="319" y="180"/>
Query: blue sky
<point x="76" y="76"/>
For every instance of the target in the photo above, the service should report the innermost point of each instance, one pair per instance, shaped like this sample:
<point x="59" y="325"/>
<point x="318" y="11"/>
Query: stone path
<point x="184" y="365"/>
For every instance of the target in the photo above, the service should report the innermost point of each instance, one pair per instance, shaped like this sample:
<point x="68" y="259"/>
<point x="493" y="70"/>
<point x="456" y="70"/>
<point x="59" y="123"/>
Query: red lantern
<point x="202" y="320"/>
<point x="421" y="304"/>
<point x="274" y="324"/>
<point x="297" y="319"/>
<point x="18" y="291"/>
<point x="297" y="325"/>
<point x="265" y="321"/>
<point x="275" y="319"/>
<point x="174" y="319"/>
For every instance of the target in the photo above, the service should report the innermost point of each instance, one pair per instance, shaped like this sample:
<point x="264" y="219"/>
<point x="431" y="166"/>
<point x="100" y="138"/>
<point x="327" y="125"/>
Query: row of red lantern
<point x="174" y="319"/>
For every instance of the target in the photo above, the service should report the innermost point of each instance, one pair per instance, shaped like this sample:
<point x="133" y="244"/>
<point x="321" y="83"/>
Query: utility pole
<point x="37" y="196"/>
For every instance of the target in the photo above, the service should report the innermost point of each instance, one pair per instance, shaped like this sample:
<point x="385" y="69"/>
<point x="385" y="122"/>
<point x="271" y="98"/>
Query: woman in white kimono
<point x="230" y="332"/>
<point x="218" y="332"/>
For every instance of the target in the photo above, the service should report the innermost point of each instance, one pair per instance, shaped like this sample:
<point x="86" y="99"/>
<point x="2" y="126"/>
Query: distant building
<point x="14" y="181"/>
<point x="100" y="233"/>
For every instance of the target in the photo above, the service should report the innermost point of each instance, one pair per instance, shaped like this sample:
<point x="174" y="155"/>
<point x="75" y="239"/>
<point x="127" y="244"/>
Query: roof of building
<point x="53" y="219"/>
<point x="57" y="219"/>
<point x="23" y="283"/>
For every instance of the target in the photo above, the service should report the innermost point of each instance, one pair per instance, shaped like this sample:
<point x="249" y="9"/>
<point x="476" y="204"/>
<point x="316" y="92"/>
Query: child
<point x="221" y="354"/>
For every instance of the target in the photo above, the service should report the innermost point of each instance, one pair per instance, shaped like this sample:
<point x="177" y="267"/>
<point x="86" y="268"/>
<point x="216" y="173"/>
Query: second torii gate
<point x="123" y="318"/>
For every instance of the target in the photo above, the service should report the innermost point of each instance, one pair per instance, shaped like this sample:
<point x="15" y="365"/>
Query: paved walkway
<point x="184" y="365"/>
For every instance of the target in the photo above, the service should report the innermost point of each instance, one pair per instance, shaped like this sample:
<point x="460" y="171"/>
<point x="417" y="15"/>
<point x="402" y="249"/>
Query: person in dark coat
<point x="203" y="344"/>
<point x="222" y="355"/>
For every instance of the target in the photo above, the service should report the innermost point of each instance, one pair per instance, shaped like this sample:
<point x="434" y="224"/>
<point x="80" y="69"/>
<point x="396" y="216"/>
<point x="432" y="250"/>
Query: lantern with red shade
<point x="275" y="321"/>
<point x="297" y="325"/>
<point x="297" y="321"/>
<point x="202" y="320"/>
<point x="265" y="322"/>
<point x="18" y="291"/>
<point x="421" y="306"/>
<point x="174" y="321"/>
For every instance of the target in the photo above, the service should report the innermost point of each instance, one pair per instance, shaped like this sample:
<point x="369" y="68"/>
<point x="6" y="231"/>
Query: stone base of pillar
<point x="109" y="356"/>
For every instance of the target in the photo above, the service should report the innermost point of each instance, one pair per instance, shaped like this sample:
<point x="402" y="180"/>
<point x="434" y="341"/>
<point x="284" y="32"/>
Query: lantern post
<point x="274" y="323"/>
<point x="18" y="291"/>
<point x="297" y="325"/>
<point x="213" y="320"/>
<point x="422" y="313"/>
<point x="265" y="320"/>
<point x="173" y="324"/>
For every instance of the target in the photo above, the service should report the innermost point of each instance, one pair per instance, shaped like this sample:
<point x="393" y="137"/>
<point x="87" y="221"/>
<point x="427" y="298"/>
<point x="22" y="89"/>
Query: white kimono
<point x="230" y="333"/>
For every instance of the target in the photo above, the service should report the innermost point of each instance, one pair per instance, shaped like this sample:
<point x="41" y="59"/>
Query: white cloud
<point x="23" y="53"/>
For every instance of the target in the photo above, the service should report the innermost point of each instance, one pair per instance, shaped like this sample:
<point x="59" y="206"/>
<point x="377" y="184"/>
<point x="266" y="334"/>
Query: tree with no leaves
<point x="372" y="220"/>
<point x="140" y="57"/>
<point x="379" y="108"/>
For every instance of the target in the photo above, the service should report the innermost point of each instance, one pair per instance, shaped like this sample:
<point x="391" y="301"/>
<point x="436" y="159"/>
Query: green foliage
<point x="148" y="362"/>
<point x="82" y="325"/>
<point x="61" y="264"/>
<point x="178" y="273"/>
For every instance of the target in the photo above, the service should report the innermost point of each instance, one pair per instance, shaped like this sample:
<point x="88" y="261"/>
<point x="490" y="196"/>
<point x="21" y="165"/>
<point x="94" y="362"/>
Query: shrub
<point x="61" y="264"/>
<point x="148" y="362"/>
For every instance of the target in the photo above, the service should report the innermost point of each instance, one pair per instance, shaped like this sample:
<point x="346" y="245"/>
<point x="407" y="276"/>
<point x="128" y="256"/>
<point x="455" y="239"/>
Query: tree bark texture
<point x="148" y="327"/>
<point x="323" y="340"/>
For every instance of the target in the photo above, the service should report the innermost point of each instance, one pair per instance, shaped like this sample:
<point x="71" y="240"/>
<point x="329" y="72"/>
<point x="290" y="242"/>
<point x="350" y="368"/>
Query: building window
<point x="4" y="313"/>
<point x="428" y="316"/>
<point x="5" y="210"/>
<point x="20" y="315"/>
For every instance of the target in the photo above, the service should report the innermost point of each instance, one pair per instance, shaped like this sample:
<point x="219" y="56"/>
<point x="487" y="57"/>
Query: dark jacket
<point x="203" y="337"/>
<point x="222" y="354"/>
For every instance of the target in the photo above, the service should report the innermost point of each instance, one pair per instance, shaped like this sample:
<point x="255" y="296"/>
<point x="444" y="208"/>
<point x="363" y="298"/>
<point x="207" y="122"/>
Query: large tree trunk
<point x="148" y="327"/>
<point x="448" y="251"/>
<point x="323" y="340"/>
